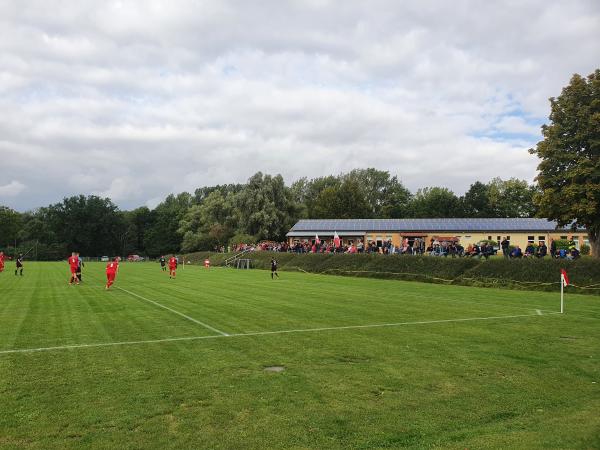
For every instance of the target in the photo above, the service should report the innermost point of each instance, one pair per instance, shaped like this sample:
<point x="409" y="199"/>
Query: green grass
<point x="531" y="381"/>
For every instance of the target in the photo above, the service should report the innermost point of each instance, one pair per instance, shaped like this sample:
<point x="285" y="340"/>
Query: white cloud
<point x="135" y="100"/>
<point x="12" y="189"/>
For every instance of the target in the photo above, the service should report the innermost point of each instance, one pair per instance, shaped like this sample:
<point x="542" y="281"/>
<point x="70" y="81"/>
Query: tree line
<point x="264" y="208"/>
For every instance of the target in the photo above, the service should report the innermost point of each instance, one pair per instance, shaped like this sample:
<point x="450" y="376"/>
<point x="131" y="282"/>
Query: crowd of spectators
<point x="446" y="248"/>
<point x="539" y="251"/>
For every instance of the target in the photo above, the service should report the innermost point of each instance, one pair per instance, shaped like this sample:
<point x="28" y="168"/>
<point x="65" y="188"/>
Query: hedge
<point x="527" y="274"/>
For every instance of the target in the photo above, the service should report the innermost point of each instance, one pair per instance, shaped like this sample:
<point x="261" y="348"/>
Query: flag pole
<point x="562" y="293"/>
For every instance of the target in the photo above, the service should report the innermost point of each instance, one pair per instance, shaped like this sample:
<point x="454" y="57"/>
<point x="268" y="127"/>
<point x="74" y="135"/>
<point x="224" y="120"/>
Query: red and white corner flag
<point x="317" y="240"/>
<point x="336" y="239"/>
<point x="564" y="277"/>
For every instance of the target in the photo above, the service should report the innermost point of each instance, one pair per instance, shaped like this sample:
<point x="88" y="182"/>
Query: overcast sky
<point x="137" y="99"/>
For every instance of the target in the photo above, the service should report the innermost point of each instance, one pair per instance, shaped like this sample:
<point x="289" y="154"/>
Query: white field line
<point x="263" y="333"/>
<point x="191" y="319"/>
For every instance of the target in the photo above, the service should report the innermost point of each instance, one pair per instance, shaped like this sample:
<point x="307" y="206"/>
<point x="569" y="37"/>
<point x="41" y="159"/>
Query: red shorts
<point x="73" y="269"/>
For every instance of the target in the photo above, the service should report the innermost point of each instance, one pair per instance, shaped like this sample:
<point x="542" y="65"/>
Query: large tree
<point x="210" y="223"/>
<point x="266" y="208"/>
<point x="569" y="170"/>
<point x="346" y="201"/>
<point x="385" y="194"/>
<point x="435" y="202"/>
<point x="163" y="236"/>
<point x="511" y="198"/>
<point x="90" y="225"/>
<point x="10" y="223"/>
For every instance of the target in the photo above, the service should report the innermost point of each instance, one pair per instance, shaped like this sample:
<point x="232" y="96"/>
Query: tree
<point x="163" y="236"/>
<point x="265" y="207"/>
<point x="511" y="198"/>
<point x="137" y="222"/>
<point x="10" y="224"/>
<point x="209" y="224"/>
<point x="435" y="202"/>
<point x="90" y="225"/>
<point x="569" y="170"/>
<point x="476" y="201"/>
<point x="385" y="195"/>
<point x="305" y="193"/>
<point x="344" y="202"/>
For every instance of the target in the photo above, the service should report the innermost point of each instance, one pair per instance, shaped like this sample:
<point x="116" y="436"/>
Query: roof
<point x="462" y="225"/>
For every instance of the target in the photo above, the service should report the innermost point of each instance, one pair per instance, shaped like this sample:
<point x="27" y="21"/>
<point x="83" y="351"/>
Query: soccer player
<point x="1" y="262"/>
<point x="73" y="263"/>
<point x="274" y="268"/>
<point x="79" y="266"/>
<point x="163" y="263"/>
<point x="19" y="264"/>
<point x="111" y="272"/>
<point x="172" y="266"/>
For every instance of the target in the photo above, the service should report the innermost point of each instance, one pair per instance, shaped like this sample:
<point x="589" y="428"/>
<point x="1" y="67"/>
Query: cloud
<point x="12" y="189"/>
<point x="135" y="100"/>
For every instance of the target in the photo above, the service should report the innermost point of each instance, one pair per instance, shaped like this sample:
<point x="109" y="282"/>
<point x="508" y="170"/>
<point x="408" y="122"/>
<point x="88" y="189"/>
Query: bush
<point x="585" y="250"/>
<point x="562" y="244"/>
<point x="242" y="238"/>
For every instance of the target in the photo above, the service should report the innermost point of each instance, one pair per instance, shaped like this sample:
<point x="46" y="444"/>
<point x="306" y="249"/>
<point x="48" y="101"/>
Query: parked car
<point x="134" y="258"/>
<point x="105" y="259"/>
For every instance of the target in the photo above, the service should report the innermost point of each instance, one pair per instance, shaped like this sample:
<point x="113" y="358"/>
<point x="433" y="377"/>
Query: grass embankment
<point x="523" y="274"/>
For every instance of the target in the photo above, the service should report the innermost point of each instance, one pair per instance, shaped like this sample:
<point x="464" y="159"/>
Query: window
<point x="489" y="238"/>
<point x="498" y="239"/>
<point x="563" y="238"/>
<point x="530" y="239"/>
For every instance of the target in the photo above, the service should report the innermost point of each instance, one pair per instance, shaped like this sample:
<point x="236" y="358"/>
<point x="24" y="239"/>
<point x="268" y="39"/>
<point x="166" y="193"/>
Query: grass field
<point x="159" y="363"/>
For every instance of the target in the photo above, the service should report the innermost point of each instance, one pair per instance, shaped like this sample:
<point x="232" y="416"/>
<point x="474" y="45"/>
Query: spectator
<point x="573" y="254"/>
<point x="529" y="250"/>
<point x="552" y="248"/>
<point x="542" y="250"/>
<point x="516" y="252"/>
<point x="505" y="247"/>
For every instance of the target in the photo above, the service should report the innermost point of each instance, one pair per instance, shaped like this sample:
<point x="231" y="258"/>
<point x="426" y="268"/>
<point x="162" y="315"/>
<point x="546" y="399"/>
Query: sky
<point x="134" y="100"/>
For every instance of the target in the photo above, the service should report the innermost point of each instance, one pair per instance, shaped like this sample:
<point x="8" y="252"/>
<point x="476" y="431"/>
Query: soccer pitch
<point x="160" y="363"/>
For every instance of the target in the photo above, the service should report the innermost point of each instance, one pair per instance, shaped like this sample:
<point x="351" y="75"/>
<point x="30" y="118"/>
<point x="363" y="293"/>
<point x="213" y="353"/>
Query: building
<point x="519" y="231"/>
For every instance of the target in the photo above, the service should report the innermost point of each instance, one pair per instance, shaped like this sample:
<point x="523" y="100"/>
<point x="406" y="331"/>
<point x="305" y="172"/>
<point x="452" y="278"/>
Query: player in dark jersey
<point x="19" y="265"/>
<point x="80" y="264"/>
<point x="274" y="268"/>
<point x="163" y="263"/>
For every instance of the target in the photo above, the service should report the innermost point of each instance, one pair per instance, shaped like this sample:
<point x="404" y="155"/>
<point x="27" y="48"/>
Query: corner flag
<point x="564" y="277"/>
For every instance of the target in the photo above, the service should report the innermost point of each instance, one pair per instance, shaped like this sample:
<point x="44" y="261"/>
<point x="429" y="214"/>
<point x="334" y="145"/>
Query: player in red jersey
<point x="1" y="261"/>
<point x="111" y="272"/>
<point x="73" y="264"/>
<point x="172" y="266"/>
